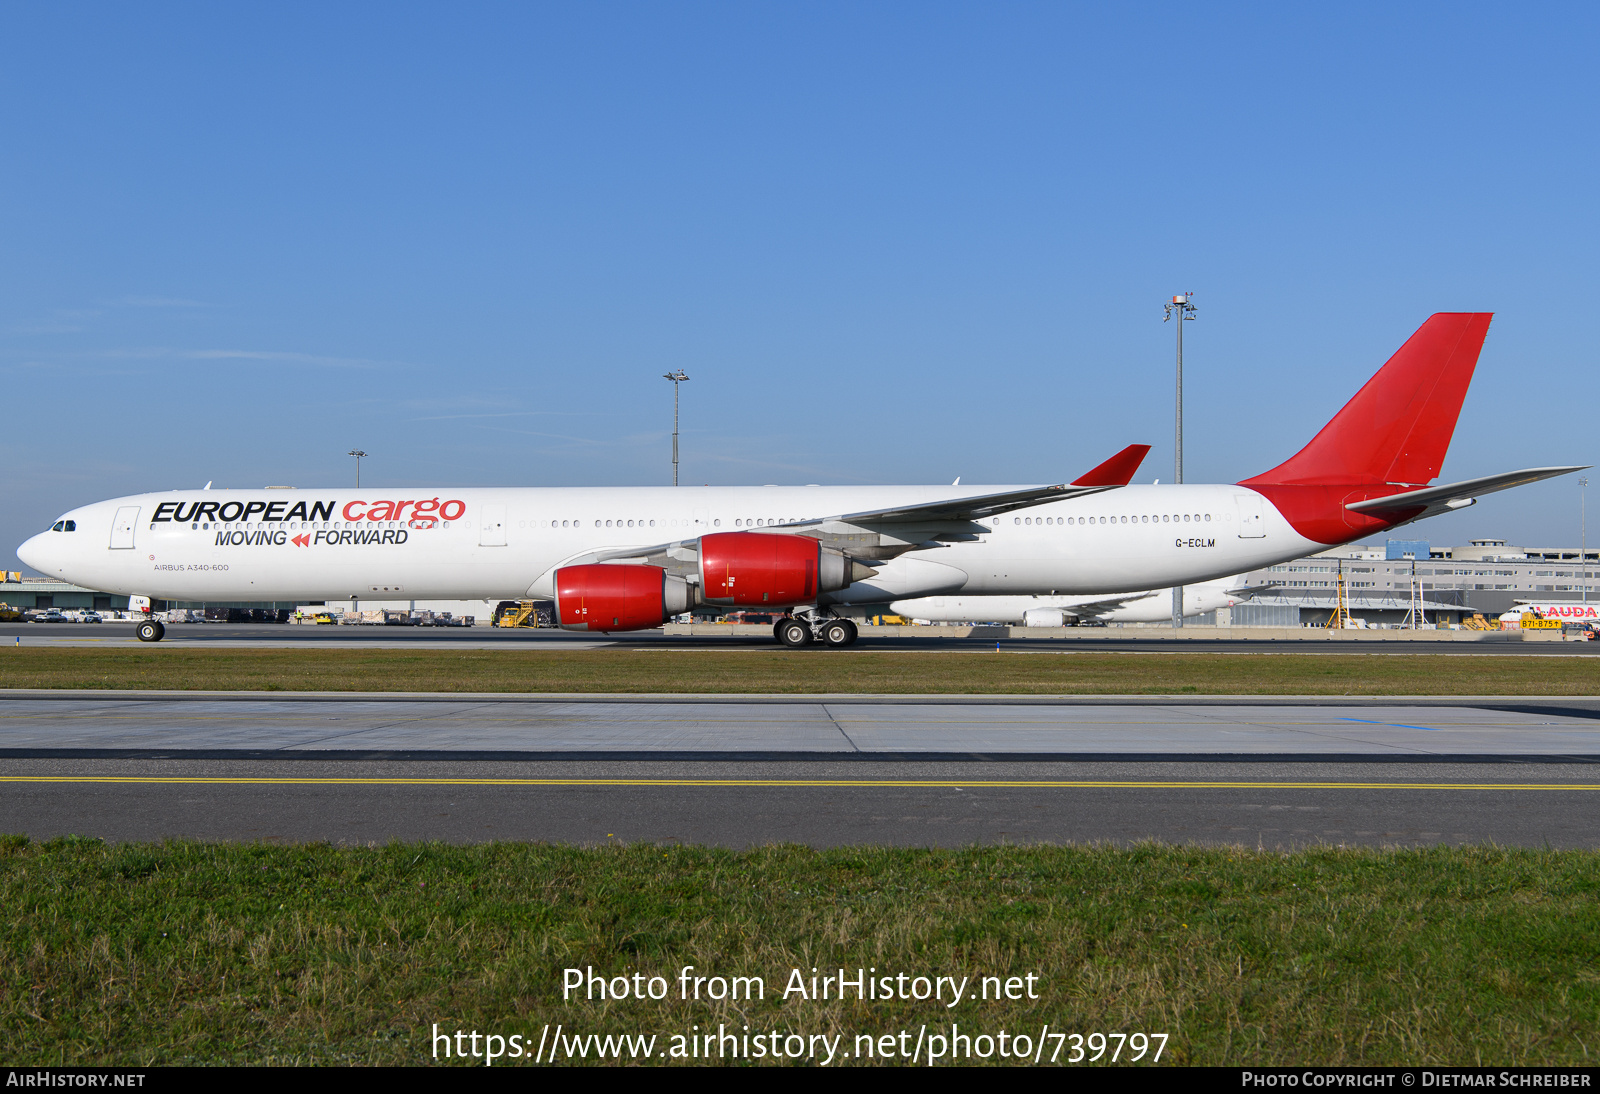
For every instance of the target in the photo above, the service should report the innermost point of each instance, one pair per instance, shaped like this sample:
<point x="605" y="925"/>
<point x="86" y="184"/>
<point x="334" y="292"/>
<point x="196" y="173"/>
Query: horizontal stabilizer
<point x="1454" y="495"/>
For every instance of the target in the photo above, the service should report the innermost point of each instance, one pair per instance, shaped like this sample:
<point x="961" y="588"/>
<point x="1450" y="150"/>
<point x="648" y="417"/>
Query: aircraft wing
<point x="1091" y="608"/>
<point x="880" y="533"/>
<point x="1117" y="471"/>
<point x="966" y="509"/>
<point x="1245" y="592"/>
<point x="1433" y="500"/>
<point x="885" y="533"/>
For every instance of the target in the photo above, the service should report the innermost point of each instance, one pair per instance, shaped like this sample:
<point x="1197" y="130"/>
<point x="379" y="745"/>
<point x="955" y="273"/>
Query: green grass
<point x="796" y="671"/>
<point x="201" y="953"/>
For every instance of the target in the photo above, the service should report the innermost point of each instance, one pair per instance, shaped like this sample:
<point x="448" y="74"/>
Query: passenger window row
<point x="1164" y="518"/>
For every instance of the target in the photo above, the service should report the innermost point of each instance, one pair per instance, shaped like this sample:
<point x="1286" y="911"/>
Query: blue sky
<point x="888" y="242"/>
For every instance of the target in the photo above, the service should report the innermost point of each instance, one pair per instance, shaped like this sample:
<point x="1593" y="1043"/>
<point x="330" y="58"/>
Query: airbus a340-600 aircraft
<point x="630" y="558"/>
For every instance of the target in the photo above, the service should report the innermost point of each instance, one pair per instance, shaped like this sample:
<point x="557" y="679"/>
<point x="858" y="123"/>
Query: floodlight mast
<point x="357" y="453"/>
<point x="677" y="376"/>
<point x="1183" y="307"/>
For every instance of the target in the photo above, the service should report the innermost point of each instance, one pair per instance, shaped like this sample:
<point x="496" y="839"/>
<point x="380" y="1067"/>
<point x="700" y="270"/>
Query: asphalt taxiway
<point x="742" y="804"/>
<point x="744" y="770"/>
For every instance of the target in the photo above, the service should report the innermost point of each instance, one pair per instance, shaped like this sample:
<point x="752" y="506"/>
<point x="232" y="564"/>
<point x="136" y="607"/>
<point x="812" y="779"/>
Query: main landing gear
<point x="805" y="629"/>
<point x="839" y="633"/>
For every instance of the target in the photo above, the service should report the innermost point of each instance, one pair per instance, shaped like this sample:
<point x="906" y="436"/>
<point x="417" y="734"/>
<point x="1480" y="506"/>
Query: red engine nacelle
<point x="617" y="598"/>
<point x="756" y="568"/>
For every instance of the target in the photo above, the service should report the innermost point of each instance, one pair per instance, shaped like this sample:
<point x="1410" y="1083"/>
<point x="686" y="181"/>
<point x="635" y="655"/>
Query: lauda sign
<point x="1561" y="611"/>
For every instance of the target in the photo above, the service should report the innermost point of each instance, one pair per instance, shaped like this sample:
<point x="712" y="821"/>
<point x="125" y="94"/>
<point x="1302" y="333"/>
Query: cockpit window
<point x="58" y="526"/>
<point x="72" y="526"/>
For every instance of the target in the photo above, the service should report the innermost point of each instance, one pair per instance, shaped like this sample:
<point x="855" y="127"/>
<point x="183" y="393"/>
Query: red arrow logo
<point x="301" y="541"/>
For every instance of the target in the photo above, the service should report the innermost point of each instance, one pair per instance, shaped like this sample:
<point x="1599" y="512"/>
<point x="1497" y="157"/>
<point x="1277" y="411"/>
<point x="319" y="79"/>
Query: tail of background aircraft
<point x="1398" y="427"/>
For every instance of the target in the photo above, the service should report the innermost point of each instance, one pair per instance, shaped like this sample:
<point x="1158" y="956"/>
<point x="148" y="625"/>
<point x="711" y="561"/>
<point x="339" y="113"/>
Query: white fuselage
<point x="1149" y="606"/>
<point x="337" y="544"/>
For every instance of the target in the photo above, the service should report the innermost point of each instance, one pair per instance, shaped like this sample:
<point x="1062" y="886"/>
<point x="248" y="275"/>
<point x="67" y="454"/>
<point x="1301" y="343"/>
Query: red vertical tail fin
<point x="1398" y="427"/>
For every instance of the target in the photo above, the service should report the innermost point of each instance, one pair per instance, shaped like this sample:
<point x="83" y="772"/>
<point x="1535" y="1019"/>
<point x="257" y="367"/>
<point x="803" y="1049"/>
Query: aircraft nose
<point x="35" y="553"/>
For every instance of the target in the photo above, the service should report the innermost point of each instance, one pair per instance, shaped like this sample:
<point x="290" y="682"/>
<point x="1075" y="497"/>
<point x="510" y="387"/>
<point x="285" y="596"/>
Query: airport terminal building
<point x="29" y="593"/>
<point x="1381" y="582"/>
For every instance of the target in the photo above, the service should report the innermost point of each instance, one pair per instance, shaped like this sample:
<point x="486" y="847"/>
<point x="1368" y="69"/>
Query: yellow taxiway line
<point x="955" y="784"/>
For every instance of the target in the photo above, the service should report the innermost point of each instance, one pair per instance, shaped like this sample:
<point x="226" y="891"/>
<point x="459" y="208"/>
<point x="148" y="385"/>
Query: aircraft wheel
<point x="839" y="633"/>
<point x="793" y="633"/>
<point x="150" y="631"/>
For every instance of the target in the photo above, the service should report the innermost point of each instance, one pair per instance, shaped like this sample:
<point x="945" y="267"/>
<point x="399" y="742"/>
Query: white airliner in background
<point x="1566" y="611"/>
<point x="1148" y="606"/>
<point x="623" y="559"/>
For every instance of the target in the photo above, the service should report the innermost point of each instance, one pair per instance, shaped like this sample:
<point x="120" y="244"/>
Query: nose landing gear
<point x="148" y="629"/>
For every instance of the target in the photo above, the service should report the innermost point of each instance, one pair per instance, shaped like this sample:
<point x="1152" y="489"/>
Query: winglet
<point x="1118" y="470"/>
